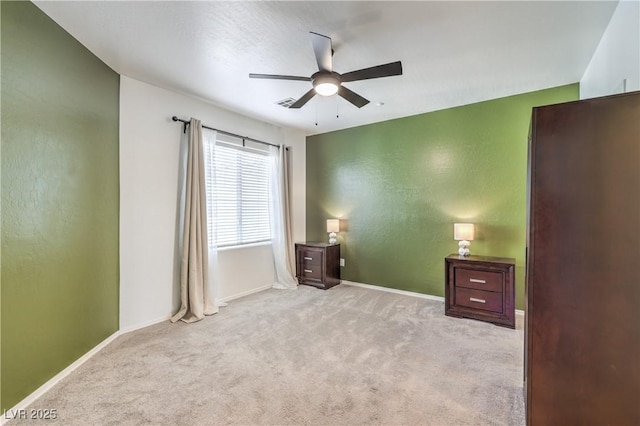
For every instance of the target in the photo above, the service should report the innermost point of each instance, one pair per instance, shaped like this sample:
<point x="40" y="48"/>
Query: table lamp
<point x="333" y="226"/>
<point x="463" y="232"/>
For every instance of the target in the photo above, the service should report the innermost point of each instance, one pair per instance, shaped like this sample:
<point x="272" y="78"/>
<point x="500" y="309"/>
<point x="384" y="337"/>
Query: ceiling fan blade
<point x="386" y="70"/>
<point x="352" y="97"/>
<point x="322" y="50"/>
<point x="304" y="99"/>
<point x="280" y="77"/>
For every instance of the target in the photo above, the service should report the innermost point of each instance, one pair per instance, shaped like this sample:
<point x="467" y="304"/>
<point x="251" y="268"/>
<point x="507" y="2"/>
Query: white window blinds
<point x="240" y="196"/>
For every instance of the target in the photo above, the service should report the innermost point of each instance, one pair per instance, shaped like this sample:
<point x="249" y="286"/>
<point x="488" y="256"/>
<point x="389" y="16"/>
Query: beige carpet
<point x="346" y="356"/>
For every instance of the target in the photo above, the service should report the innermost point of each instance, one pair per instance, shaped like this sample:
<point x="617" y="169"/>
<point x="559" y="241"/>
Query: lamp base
<point x="332" y="238"/>
<point x="463" y="248"/>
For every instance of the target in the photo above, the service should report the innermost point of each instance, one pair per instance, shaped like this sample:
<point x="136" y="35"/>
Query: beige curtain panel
<point x="285" y="159"/>
<point x="280" y="219"/>
<point x="194" y="273"/>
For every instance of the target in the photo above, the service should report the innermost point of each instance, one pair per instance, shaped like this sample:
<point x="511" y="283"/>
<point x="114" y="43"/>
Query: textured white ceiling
<point x="453" y="53"/>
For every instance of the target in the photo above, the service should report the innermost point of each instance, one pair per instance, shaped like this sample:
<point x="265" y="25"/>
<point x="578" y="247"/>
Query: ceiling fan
<point x="327" y="82"/>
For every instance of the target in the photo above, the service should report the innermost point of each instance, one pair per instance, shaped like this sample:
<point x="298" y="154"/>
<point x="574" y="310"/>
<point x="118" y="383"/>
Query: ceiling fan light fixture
<point x="326" y="85"/>
<point x="326" y="89"/>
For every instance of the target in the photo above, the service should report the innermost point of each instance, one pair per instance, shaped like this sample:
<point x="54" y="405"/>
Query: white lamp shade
<point x="333" y="225"/>
<point x="463" y="231"/>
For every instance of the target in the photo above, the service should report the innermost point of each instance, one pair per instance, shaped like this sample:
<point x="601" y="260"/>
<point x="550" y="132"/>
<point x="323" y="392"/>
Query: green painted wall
<point x="400" y="185"/>
<point x="59" y="200"/>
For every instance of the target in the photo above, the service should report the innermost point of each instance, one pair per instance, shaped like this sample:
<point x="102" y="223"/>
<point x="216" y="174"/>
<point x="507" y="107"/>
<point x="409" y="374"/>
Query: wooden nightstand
<point x="480" y="287"/>
<point x="318" y="264"/>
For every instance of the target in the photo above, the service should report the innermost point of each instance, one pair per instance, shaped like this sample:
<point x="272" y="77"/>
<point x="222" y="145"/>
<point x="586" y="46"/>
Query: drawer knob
<point x="473" y="299"/>
<point x="475" y="280"/>
<point x="308" y="258"/>
<point x="308" y="270"/>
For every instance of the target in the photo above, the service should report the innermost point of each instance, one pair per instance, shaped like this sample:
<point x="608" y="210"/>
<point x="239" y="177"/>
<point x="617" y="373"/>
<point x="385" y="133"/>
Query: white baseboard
<point x="22" y="405"/>
<point x="145" y="324"/>
<point x="405" y="292"/>
<point x="219" y="302"/>
<point x="244" y="293"/>
<point x="394" y="290"/>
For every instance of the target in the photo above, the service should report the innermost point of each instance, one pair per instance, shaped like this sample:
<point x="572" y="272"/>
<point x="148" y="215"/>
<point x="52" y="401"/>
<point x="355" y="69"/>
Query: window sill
<point x="243" y="246"/>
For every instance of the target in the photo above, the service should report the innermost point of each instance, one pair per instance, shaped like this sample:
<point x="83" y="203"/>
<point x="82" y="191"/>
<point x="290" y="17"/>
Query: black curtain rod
<point x="186" y="123"/>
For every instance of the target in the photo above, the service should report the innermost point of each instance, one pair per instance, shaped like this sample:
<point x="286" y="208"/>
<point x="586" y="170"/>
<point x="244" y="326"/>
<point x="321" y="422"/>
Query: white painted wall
<point x="617" y="57"/>
<point x="149" y="169"/>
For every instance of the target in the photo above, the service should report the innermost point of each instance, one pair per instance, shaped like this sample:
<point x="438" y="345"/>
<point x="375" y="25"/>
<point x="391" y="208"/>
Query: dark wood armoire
<point x="582" y="327"/>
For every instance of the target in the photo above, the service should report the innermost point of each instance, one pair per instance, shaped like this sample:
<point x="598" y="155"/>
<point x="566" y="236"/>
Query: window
<point x="241" y="193"/>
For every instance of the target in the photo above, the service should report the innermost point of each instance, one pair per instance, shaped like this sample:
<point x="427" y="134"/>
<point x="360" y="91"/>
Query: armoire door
<point x="583" y="267"/>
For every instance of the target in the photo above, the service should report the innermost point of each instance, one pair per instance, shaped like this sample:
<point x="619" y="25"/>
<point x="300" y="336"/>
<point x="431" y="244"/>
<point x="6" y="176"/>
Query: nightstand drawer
<point x="313" y="272"/>
<point x="311" y="257"/>
<point x="477" y="279"/>
<point x="479" y="299"/>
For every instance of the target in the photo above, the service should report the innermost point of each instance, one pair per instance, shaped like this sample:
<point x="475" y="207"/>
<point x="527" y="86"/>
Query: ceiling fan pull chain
<point x="316" y="114"/>
<point x="337" y="108"/>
